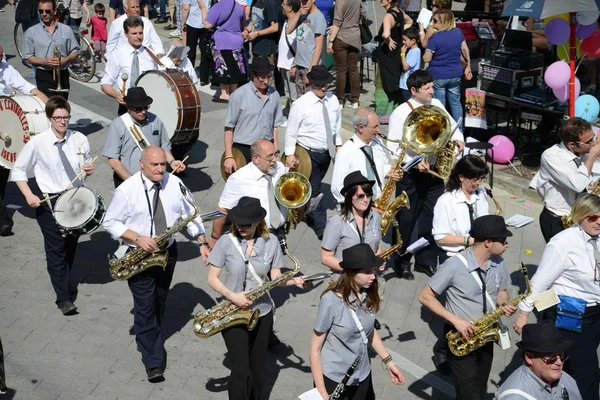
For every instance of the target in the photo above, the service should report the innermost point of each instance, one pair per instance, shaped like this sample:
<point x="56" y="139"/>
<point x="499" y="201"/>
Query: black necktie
<point x="471" y="213"/>
<point x="160" y="221"/>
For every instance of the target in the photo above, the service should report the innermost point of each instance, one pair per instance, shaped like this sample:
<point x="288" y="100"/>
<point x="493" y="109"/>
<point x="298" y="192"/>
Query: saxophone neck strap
<point x="372" y="165"/>
<point x="477" y="278"/>
<point x="246" y="259"/>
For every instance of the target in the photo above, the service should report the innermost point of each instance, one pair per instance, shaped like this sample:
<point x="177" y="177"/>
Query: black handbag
<point x="365" y="33"/>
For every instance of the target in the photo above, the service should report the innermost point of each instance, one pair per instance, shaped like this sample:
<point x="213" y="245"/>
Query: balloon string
<point x="567" y="52"/>
<point x="580" y="61"/>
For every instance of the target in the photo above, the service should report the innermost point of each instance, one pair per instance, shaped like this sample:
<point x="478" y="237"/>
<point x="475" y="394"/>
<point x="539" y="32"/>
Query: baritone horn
<point x="292" y="190"/>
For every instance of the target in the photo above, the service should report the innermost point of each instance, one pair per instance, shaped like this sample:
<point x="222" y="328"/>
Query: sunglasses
<point x="139" y="109"/>
<point x="502" y="241"/>
<point x="56" y="119"/>
<point x="363" y="195"/>
<point x="552" y="359"/>
<point x="435" y="20"/>
<point x="244" y="226"/>
<point x="45" y="11"/>
<point x="592" y="218"/>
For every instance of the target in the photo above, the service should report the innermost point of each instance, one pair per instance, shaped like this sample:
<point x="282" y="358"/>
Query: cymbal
<point x="305" y="165"/>
<point x="239" y="158"/>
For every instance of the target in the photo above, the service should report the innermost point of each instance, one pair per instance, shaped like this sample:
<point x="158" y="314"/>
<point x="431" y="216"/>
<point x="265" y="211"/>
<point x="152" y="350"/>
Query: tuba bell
<point x="428" y="130"/>
<point x="292" y="190"/>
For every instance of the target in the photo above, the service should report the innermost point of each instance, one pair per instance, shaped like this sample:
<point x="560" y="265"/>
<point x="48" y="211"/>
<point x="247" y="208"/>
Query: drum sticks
<point x="80" y="174"/>
<point x="48" y="198"/>
<point x="124" y="77"/>
<point x="179" y="166"/>
<point x="139" y="137"/>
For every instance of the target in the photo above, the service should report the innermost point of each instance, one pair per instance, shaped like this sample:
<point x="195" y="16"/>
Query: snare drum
<point x="79" y="211"/>
<point x="175" y="101"/>
<point x="21" y="116"/>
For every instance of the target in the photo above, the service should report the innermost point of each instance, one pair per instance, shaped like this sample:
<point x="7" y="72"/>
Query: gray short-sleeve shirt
<point x="40" y="43"/>
<point x="525" y="380"/>
<point x="121" y="145"/>
<point x="464" y="298"/>
<point x="267" y="256"/>
<point x="314" y="25"/>
<point x="343" y="342"/>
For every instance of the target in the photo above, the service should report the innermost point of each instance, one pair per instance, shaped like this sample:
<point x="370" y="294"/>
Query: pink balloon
<point x="584" y="31"/>
<point x="503" y="150"/>
<point x="558" y="31"/>
<point x="557" y="75"/>
<point x="563" y="93"/>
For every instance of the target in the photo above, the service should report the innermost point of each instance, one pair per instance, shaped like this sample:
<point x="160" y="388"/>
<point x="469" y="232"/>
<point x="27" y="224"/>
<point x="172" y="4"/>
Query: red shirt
<point x="99" y="31"/>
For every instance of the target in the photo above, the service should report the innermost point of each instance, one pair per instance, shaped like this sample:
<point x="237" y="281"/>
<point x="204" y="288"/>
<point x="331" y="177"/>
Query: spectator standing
<point x="411" y="8"/>
<point x="99" y="32"/>
<point x="192" y="20"/>
<point x="115" y="9"/>
<point x="76" y="9"/>
<point x="436" y="5"/>
<point x="410" y="54"/>
<point x="287" y="51"/>
<point x="263" y="28"/>
<point x="327" y="9"/>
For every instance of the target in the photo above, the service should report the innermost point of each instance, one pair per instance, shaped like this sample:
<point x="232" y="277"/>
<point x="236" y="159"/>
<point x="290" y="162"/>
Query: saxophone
<point x="138" y="260"/>
<point x="567" y="220"/>
<point x="226" y="314"/>
<point x="486" y="329"/>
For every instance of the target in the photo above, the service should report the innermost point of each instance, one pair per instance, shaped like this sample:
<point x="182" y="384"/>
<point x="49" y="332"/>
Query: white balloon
<point x="587" y="17"/>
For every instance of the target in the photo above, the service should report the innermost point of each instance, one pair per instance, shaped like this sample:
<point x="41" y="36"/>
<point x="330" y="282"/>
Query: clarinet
<point x="339" y="389"/>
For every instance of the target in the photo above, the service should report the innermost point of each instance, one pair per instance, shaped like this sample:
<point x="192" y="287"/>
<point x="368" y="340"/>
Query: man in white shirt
<point x="364" y="153"/>
<point x="132" y="59"/>
<point x="314" y="124"/>
<point x="117" y="37"/>
<point x="142" y="209"/>
<point x="422" y="188"/>
<point x="565" y="171"/>
<point x="56" y="156"/>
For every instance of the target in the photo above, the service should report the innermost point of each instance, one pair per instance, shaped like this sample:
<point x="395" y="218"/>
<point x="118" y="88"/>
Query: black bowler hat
<point x="489" y="227"/>
<point x="247" y="211"/>
<point x="319" y="75"/>
<point x="353" y="179"/>
<point x="261" y="65"/>
<point x="543" y="337"/>
<point x="137" y="97"/>
<point x="360" y="256"/>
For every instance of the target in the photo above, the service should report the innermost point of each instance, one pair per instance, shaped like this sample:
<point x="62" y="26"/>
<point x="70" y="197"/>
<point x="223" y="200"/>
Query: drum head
<point x="164" y="98"/>
<point x="20" y="117"/>
<point x="75" y="207"/>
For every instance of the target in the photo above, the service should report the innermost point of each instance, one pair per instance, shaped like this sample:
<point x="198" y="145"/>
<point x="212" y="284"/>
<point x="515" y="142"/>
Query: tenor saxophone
<point x="486" y="328"/>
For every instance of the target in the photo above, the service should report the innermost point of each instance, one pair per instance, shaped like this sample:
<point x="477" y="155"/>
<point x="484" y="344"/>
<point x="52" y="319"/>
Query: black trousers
<point x="471" y="372"/>
<point x="550" y="225"/>
<point x="44" y="81"/>
<point x="201" y="38"/>
<point x="364" y="390"/>
<point x="5" y="218"/>
<point x="582" y="364"/>
<point x="60" y="254"/>
<point x="3" y="386"/>
<point x="248" y="353"/>
<point x="150" y="290"/>
<point x="117" y="180"/>
<point x="320" y="164"/>
<point x="423" y="191"/>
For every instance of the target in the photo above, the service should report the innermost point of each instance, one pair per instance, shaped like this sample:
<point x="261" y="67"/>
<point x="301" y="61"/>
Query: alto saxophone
<point x="138" y="260"/>
<point x="227" y="314"/>
<point x="486" y="328"/>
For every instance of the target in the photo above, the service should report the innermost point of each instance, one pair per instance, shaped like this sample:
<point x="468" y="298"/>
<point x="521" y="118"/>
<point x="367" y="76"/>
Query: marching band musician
<point x="422" y="188"/>
<point x="181" y="61"/>
<point x="314" y="123"/>
<point x="345" y="326"/>
<point x="122" y="147"/>
<point x="132" y="59"/>
<point x="57" y="156"/>
<point x="254" y="112"/>
<point x="569" y="266"/>
<point x="248" y="254"/>
<point x="565" y="172"/>
<point x="460" y="277"/>
<point x="142" y="208"/>
<point x="463" y="202"/>
<point x="38" y="49"/>
<point x="364" y="153"/>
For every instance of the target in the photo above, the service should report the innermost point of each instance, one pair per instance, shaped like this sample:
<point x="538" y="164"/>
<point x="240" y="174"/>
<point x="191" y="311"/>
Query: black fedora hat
<point x="543" y="337"/>
<point x="360" y="256"/>
<point x="261" y="65"/>
<point x="319" y="75"/>
<point x="489" y="227"/>
<point x="247" y="211"/>
<point x="353" y="179"/>
<point x="137" y="97"/>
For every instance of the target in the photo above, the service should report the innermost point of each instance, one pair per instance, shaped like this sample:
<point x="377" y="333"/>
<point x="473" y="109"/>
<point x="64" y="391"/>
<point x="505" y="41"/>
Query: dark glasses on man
<point x="363" y="195"/>
<point x="592" y="218"/>
<point x="45" y="11"/>
<point x="552" y="359"/>
<point x="140" y="109"/>
<point x="502" y="241"/>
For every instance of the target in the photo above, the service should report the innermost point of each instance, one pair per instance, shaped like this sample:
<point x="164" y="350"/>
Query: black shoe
<point x="161" y="20"/>
<point x="425" y="269"/>
<point x="67" y="307"/>
<point x="155" y="375"/>
<point x="6" y="230"/>
<point x="204" y="83"/>
<point x="402" y="269"/>
<point x="170" y="27"/>
<point x="377" y="325"/>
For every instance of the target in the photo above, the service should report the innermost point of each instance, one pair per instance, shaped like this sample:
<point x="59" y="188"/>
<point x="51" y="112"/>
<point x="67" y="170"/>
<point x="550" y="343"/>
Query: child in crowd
<point x="411" y="57"/>
<point x="99" y="32"/>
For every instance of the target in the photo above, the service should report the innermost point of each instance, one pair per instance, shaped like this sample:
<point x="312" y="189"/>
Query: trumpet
<point x="56" y="73"/>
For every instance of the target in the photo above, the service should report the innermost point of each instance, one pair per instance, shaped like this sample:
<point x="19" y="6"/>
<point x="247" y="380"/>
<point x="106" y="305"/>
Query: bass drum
<point x="21" y="116"/>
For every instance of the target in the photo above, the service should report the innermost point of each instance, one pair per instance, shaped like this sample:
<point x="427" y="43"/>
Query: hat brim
<point x="349" y="186"/>
<point x="542" y="347"/>
<point x="262" y="69"/>
<point x="146" y="103"/>
<point x="504" y="234"/>
<point x="373" y="263"/>
<point x="326" y="81"/>
<point x="238" y="219"/>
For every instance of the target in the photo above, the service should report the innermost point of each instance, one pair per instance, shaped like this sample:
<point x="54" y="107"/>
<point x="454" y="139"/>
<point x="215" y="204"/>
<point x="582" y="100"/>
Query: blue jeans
<point x="449" y="88"/>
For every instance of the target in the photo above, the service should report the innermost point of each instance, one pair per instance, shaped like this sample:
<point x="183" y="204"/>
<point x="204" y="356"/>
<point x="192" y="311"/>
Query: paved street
<point x="93" y="355"/>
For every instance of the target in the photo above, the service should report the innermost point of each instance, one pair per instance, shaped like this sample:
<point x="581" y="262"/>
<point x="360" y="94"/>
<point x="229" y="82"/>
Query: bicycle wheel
<point x="18" y="36"/>
<point x="83" y="67"/>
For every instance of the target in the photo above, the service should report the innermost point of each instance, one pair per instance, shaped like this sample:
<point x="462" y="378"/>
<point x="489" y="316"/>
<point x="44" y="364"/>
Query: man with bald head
<point x="143" y="207"/>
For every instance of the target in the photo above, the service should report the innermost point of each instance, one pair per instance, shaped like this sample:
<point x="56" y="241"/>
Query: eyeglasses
<point x="56" y="119"/>
<point x="480" y="179"/>
<point x="45" y="11"/>
<point x="363" y="195"/>
<point x="592" y="218"/>
<point x="552" y="359"/>
<point x="372" y="127"/>
<point x="435" y="20"/>
<point x="271" y="157"/>
<point x="588" y="142"/>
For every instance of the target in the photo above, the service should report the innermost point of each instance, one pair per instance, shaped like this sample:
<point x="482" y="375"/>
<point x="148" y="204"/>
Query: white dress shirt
<point x="451" y="215"/>
<point x="129" y="208"/>
<point x="306" y="123"/>
<point x="117" y="39"/>
<point x="41" y="154"/>
<point x="560" y="180"/>
<point x="120" y="62"/>
<point x="350" y="158"/>
<point x="187" y="68"/>
<point x="10" y="79"/>
<point x="567" y="266"/>
<point x="396" y="129"/>
<point x="250" y="181"/>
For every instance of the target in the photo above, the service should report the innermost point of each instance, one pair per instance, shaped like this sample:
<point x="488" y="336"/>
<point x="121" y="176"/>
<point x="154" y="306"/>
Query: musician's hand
<point x="204" y="253"/>
<point x="120" y="98"/>
<point x="64" y="61"/>
<point x="423" y="166"/>
<point x="33" y="201"/>
<point x="460" y="146"/>
<point x="465" y="328"/>
<point x="88" y="168"/>
<point x="147" y="243"/>
<point x="230" y="166"/>
<point x="520" y="321"/>
<point x="595" y="150"/>
<point x="299" y="282"/>
<point x="382" y="267"/>
<point x="324" y="393"/>
<point x="177" y="166"/>
<point x="291" y="161"/>
<point x="509" y="310"/>
<point x="395" y="373"/>
<point x="51" y="62"/>
<point x="396" y="174"/>
<point x="240" y="299"/>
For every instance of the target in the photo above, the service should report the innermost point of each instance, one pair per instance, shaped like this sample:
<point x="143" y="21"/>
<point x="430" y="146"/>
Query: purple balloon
<point x="584" y="31"/>
<point x="558" y="31"/>
<point x="557" y="75"/>
<point x="563" y="93"/>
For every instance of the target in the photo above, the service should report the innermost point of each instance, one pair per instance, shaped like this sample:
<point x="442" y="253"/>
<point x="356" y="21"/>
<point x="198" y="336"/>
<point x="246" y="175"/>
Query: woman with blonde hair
<point x="570" y="266"/>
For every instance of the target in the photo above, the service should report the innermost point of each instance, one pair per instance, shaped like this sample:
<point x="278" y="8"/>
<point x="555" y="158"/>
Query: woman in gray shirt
<point x="345" y="326"/>
<point x="248" y="254"/>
